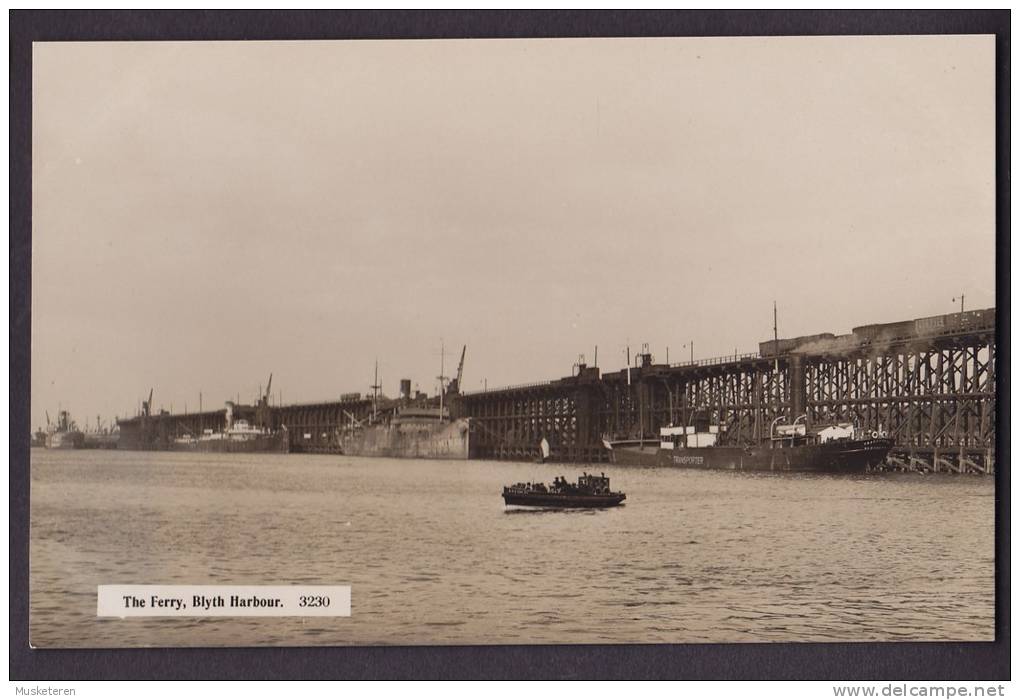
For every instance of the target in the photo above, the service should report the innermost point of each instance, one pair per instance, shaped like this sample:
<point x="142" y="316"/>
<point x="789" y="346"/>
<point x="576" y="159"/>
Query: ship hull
<point x="277" y="442"/>
<point x="65" y="440"/>
<point x="853" y="457"/>
<point x="99" y="442"/>
<point x="447" y="440"/>
<point x="559" y="500"/>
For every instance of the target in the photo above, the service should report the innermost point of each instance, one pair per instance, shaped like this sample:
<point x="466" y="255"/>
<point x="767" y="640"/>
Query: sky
<point x="208" y="213"/>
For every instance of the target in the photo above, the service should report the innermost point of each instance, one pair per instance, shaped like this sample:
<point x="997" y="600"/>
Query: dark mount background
<point x="957" y="661"/>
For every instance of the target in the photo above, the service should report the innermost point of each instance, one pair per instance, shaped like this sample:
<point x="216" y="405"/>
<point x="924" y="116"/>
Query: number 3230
<point x="313" y="601"/>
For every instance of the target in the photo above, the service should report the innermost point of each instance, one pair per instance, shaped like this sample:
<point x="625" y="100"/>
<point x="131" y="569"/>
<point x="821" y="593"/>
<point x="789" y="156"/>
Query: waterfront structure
<point x="929" y="384"/>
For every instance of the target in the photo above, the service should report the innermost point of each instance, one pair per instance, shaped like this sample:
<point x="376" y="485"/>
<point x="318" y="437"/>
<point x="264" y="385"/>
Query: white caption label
<point x="224" y="601"/>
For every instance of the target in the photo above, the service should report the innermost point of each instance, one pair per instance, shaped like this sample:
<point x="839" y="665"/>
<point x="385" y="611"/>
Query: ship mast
<point x="442" y="371"/>
<point x="375" y="391"/>
<point x="775" y="348"/>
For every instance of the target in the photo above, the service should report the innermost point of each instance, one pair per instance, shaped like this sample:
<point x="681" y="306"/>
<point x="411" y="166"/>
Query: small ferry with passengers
<point x="590" y="491"/>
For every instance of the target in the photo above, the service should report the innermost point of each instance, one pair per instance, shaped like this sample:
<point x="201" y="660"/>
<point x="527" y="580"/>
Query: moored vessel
<point x="239" y="436"/>
<point x="590" y="491"/>
<point x="235" y="428"/>
<point x="792" y="447"/>
<point x="64" y="434"/>
<point x="101" y="436"/>
<point x="833" y="447"/>
<point x="411" y="428"/>
<point x="413" y="432"/>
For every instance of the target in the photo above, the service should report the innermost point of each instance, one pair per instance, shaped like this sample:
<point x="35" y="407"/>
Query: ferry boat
<point x="590" y="491"/>
<point x="835" y="447"/>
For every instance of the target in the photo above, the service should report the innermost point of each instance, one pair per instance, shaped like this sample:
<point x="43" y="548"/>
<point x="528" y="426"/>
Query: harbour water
<point x="434" y="558"/>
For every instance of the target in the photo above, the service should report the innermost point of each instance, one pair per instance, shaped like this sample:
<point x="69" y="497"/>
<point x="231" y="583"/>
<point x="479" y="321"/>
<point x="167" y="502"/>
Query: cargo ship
<point x="791" y="448"/>
<point x="413" y="429"/>
<point x="239" y="436"/>
<point x="101" y="436"/>
<point x="64" y="435"/>
<point x="235" y="428"/>
<point x="413" y="433"/>
<point x="101" y="440"/>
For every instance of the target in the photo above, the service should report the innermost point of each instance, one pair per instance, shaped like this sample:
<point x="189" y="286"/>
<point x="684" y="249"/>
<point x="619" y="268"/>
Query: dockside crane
<point x="263" y="419"/>
<point x="442" y="374"/>
<point x="458" y="380"/>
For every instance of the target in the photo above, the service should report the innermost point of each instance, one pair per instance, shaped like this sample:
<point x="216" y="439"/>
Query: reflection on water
<point x="434" y="557"/>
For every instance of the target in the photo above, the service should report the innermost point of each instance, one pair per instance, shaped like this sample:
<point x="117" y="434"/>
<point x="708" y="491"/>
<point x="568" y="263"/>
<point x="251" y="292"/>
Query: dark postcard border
<point x="958" y="661"/>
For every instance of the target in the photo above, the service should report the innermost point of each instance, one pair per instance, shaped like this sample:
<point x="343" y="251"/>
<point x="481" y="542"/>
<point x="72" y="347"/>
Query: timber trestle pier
<point x="929" y="384"/>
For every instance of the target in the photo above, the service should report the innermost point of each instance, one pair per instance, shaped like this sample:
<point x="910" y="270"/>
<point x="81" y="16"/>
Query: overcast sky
<point x="207" y="213"/>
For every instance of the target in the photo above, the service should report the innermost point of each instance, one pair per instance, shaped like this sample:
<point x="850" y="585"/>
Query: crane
<point x="460" y="372"/>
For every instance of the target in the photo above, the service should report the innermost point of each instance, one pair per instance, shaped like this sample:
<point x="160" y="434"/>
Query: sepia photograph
<point x="523" y="341"/>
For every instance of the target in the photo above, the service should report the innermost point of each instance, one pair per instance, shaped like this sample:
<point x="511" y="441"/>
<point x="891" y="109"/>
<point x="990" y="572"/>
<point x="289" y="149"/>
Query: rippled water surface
<point x="434" y="558"/>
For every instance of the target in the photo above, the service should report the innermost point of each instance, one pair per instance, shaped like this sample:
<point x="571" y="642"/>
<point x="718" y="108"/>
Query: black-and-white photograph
<point x="513" y="341"/>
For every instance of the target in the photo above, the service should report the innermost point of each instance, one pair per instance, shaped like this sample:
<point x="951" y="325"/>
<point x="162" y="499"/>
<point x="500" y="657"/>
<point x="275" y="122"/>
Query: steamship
<point x="835" y="447"/>
<point x="238" y="436"/>
<point x="414" y="429"/>
<point x="233" y="431"/>
<point x="64" y="434"/>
